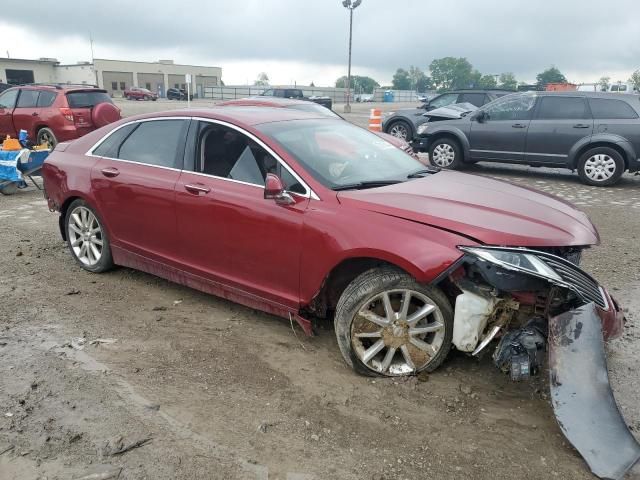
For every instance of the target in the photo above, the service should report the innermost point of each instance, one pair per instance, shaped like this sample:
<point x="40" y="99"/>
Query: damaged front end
<point x="536" y="301"/>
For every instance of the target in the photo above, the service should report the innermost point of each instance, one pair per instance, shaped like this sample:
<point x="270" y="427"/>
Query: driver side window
<point x="518" y="107"/>
<point x="227" y="153"/>
<point x="444" y="100"/>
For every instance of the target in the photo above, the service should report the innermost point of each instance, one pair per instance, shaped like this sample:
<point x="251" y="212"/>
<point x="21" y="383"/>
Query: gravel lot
<point x="226" y="392"/>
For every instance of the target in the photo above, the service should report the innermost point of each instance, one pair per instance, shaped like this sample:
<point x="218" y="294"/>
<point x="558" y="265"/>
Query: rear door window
<point x="87" y="99"/>
<point x="28" y="99"/>
<point x="562" y="108"/>
<point x="477" y="99"/>
<point x="46" y="99"/>
<point x="110" y="146"/>
<point x="156" y="142"/>
<point x="607" y="108"/>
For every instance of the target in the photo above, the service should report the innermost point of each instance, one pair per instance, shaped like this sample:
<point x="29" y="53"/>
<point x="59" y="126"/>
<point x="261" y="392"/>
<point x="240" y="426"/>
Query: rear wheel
<point x="446" y="153"/>
<point x="388" y="324"/>
<point x="87" y="239"/>
<point x="46" y="135"/>
<point x="401" y="129"/>
<point x="600" y="166"/>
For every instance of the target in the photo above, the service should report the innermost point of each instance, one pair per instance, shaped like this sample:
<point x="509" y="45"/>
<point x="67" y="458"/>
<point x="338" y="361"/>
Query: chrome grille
<point x="578" y="280"/>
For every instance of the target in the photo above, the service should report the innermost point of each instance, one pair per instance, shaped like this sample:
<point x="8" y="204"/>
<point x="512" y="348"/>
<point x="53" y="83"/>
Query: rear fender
<point x="602" y="139"/>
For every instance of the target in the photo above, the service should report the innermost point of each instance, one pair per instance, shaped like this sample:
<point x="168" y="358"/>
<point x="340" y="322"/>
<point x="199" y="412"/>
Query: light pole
<point x="351" y="6"/>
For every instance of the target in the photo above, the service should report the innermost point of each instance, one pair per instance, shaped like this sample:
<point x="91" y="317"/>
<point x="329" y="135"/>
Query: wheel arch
<point x="72" y="197"/>
<point x="454" y="134"/>
<point x="619" y="144"/>
<point x="394" y="120"/>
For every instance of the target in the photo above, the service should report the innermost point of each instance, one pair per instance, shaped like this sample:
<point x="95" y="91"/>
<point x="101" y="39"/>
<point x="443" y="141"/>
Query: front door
<point x="27" y="113"/>
<point x="558" y="124"/>
<point x="7" y="104"/>
<point x="134" y="186"/>
<point x="501" y="134"/>
<point x="228" y="232"/>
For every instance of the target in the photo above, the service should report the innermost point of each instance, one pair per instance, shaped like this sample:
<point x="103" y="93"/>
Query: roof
<point x="264" y="101"/>
<point x="239" y="114"/>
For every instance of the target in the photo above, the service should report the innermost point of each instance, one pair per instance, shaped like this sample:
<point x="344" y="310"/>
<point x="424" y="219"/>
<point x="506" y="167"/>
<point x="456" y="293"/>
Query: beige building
<point x="115" y="76"/>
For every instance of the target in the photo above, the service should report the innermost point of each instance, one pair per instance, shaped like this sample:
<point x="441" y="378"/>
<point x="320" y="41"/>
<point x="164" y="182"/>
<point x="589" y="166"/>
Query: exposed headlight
<point x="523" y="262"/>
<point x="422" y="128"/>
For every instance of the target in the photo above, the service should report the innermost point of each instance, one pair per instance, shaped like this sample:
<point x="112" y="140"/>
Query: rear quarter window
<point x="46" y="99"/>
<point x="87" y="99"/>
<point x="110" y="146"/>
<point x="608" y="108"/>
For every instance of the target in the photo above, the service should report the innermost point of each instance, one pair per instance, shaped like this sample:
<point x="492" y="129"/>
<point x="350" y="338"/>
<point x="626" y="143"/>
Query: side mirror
<point x="480" y="116"/>
<point x="274" y="190"/>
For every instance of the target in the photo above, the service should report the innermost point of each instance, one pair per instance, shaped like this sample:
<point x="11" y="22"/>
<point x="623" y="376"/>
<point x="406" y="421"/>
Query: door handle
<point x="34" y="114"/>
<point x="581" y="125"/>
<point x="110" y="172"/>
<point x="197" y="189"/>
<point x="519" y="125"/>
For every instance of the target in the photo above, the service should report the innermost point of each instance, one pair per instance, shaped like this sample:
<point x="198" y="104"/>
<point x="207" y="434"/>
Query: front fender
<point x="449" y="130"/>
<point x="329" y="239"/>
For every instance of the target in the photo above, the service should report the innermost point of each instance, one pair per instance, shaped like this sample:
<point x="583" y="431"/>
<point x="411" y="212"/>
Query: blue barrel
<point x="388" y="96"/>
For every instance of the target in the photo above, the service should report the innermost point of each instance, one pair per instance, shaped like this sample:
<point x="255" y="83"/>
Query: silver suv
<point x="597" y="134"/>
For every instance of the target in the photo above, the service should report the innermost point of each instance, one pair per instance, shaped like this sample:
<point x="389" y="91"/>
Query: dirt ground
<point x="219" y="391"/>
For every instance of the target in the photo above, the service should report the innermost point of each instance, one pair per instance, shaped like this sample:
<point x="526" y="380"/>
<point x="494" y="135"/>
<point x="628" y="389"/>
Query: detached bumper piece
<point x="582" y="398"/>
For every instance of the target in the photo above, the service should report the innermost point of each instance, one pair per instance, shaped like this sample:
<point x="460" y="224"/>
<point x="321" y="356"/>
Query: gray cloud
<point x="584" y="37"/>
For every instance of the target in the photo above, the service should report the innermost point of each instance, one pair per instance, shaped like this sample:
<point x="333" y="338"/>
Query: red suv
<point x="55" y="113"/>
<point x="137" y="93"/>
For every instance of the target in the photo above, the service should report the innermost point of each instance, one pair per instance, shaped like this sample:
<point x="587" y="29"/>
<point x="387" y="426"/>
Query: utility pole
<point x="351" y="6"/>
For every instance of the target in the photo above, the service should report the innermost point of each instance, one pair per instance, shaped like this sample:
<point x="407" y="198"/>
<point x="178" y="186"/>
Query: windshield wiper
<point x="423" y="172"/>
<point x="365" y="184"/>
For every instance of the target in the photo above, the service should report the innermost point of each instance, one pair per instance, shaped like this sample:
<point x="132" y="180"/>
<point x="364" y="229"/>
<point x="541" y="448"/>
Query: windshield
<point x="315" y="108"/>
<point x="337" y="153"/>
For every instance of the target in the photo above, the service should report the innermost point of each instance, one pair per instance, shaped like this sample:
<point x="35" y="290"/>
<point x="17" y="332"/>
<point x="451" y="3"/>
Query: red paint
<point x="230" y="241"/>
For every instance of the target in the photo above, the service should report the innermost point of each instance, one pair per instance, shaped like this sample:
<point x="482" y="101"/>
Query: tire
<point x="401" y="129"/>
<point x="600" y="167"/>
<point x="358" y="337"/>
<point x="146" y="98"/>
<point x="446" y="153"/>
<point x="86" y="221"/>
<point x="127" y="97"/>
<point x="46" y="135"/>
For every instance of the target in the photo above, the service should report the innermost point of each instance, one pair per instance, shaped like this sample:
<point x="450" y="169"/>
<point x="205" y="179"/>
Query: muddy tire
<point x="600" y="167"/>
<point x="87" y="238"/>
<point x="379" y="336"/>
<point x="446" y="153"/>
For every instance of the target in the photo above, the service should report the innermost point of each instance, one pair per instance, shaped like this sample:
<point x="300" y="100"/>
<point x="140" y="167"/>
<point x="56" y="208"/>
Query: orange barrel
<point x="375" y="120"/>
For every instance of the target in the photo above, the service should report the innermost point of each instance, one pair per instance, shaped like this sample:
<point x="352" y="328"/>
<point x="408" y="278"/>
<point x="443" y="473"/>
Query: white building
<point x="115" y="76"/>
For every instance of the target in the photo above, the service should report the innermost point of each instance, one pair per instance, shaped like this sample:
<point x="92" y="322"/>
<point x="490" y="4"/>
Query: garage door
<point x="117" y="82"/>
<point x="152" y="81"/>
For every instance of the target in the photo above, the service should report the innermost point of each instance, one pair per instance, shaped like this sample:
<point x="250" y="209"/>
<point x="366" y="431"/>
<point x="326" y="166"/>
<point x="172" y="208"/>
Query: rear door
<point x="559" y="122"/>
<point x="81" y="104"/>
<point x="134" y="185"/>
<point x="501" y="136"/>
<point x="7" y="104"/>
<point x="27" y="113"/>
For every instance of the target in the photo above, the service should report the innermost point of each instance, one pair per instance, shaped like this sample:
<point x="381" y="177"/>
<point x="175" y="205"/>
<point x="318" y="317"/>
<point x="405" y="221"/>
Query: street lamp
<point x="351" y="6"/>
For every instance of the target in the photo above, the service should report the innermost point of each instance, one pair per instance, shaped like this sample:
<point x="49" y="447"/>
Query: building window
<point x="177" y="85"/>
<point x="114" y="85"/>
<point x="122" y="86"/>
<point x="148" y="85"/>
<point x="184" y="86"/>
<point x="214" y="80"/>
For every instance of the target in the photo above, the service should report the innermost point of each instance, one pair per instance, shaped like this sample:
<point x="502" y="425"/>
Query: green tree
<point x="419" y="81"/>
<point x="367" y="84"/>
<point x="508" y="81"/>
<point x="401" y="80"/>
<point x="488" y="81"/>
<point x="449" y="72"/>
<point x="262" y="80"/>
<point x="604" y="83"/>
<point x="550" y="75"/>
<point x="635" y="79"/>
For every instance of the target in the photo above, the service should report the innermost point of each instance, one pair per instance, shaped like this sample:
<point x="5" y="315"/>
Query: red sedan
<point x="258" y="206"/>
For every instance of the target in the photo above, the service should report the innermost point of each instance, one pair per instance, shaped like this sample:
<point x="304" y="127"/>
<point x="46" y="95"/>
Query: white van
<point x="622" y="87"/>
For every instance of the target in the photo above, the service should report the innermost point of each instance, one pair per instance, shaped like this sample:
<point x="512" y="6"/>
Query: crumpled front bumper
<point x="582" y="399"/>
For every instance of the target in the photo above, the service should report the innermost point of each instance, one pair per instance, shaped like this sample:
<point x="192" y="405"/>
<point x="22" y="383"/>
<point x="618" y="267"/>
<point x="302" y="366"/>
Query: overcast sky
<point x="306" y="40"/>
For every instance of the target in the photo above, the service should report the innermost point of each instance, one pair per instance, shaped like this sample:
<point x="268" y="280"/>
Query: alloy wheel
<point x="85" y="236"/>
<point x="397" y="332"/>
<point x="443" y="155"/>
<point x="400" y="131"/>
<point x="600" y="167"/>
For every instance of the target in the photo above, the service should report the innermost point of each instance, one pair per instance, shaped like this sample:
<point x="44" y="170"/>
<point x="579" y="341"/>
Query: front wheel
<point x="87" y="238"/>
<point x="401" y="129"/>
<point x="446" y="153"/>
<point x="388" y="324"/>
<point x="600" y="167"/>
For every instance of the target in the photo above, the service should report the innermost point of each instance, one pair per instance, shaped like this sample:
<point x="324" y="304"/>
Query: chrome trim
<point x="547" y="154"/>
<point x="587" y="294"/>
<point x="309" y="191"/>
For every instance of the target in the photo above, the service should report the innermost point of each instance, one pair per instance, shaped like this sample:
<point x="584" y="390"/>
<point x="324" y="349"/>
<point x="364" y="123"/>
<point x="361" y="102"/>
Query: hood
<point x="492" y="212"/>
<point x="452" y="111"/>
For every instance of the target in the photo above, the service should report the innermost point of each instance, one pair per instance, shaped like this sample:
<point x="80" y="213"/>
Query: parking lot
<point x="94" y="364"/>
